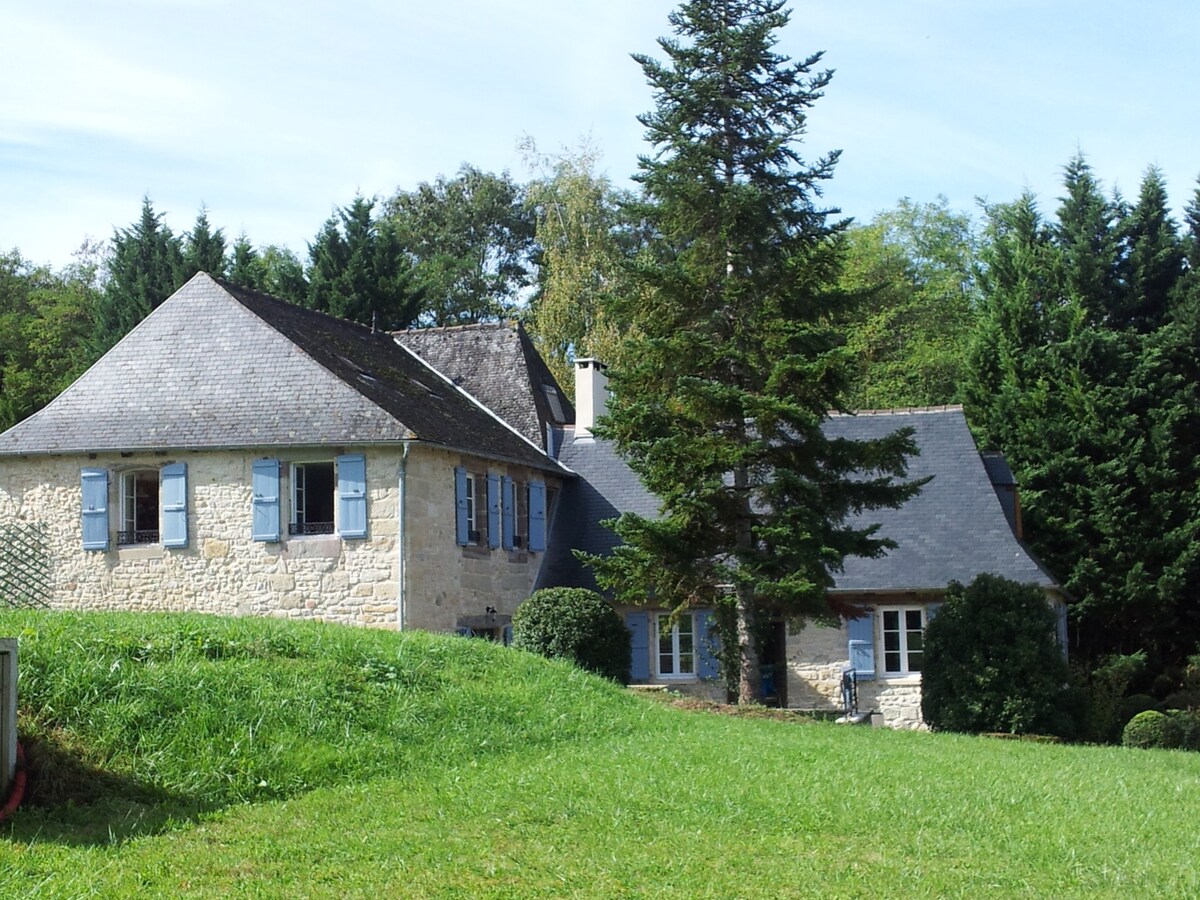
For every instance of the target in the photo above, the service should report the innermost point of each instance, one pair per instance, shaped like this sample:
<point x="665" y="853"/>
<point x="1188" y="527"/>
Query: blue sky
<point x="273" y="113"/>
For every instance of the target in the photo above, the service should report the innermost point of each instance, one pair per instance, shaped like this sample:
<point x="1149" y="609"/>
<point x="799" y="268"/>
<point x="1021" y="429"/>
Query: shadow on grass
<point x="73" y="802"/>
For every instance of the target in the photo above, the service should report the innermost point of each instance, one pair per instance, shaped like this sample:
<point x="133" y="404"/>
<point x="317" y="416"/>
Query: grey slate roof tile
<point x="498" y="365"/>
<point x="221" y="366"/>
<point x="605" y="488"/>
<point x="953" y="530"/>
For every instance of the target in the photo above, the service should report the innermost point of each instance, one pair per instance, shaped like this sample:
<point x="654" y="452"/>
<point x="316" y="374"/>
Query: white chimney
<point x="591" y="395"/>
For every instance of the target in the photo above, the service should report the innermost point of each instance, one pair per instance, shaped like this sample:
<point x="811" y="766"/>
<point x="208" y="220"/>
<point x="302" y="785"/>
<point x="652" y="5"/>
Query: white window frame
<point x="477" y="509"/>
<point x="676" y="651"/>
<point x="902" y="633"/>
<point x="130" y="525"/>
<point x="521" y="515"/>
<point x="297" y="490"/>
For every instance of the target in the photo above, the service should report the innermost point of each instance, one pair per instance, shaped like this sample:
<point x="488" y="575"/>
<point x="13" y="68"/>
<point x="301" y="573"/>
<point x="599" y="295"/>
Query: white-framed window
<point x="139" y="507"/>
<point x="521" y="521"/>
<point x="676" y="646"/>
<point x="314" y="487"/>
<point x="903" y="631"/>
<point x="477" y="511"/>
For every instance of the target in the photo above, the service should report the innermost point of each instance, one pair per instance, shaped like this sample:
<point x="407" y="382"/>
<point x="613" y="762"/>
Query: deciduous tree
<point x="587" y="241"/>
<point x="470" y="239"/>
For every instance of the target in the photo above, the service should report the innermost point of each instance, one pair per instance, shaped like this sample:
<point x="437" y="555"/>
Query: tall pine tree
<point x="720" y="406"/>
<point x="359" y="271"/>
<point x="144" y="269"/>
<point x="203" y="249"/>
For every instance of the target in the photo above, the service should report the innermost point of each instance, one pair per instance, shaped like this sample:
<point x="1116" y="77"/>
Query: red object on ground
<point x="18" y="786"/>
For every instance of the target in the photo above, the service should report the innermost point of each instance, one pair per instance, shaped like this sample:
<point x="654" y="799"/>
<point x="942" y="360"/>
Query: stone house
<point x="239" y="455"/>
<point x="965" y="521"/>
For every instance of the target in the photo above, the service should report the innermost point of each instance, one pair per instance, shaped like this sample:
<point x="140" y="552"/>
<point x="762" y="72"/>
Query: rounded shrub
<point x="992" y="663"/>
<point x="575" y="624"/>
<point x="1151" y="729"/>
<point x="1186" y="725"/>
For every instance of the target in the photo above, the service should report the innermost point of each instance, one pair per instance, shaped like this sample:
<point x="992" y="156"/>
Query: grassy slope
<point x="447" y="767"/>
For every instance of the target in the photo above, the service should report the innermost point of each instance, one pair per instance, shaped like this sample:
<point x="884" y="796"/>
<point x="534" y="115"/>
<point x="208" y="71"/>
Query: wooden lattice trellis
<point x="24" y="565"/>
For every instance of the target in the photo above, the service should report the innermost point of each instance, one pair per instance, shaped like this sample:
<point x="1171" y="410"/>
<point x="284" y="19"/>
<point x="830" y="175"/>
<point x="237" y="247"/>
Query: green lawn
<point x="239" y="758"/>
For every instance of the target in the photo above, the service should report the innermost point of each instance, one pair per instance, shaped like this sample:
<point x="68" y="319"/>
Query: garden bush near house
<point x="1175" y="729"/>
<point x="1105" y="689"/>
<point x="992" y="663"/>
<point x="1151" y="729"/>
<point x="574" y="624"/>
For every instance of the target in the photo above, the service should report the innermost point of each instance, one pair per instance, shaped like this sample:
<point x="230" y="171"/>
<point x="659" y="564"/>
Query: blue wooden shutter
<point x="1060" y="612"/>
<point x="264" y="485"/>
<point x="352" y="495"/>
<point x="706" y="644"/>
<point x="462" y="528"/>
<point x="172" y="480"/>
<point x="862" y="646"/>
<point x="493" y="502"/>
<point x="537" y="515"/>
<point x="638" y="624"/>
<point x="94" y="486"/>
<point x="508" y="503"/>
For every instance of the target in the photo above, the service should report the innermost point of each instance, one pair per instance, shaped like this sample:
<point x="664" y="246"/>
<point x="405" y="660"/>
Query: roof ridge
<point x="486" y="409"/>
<point x="510" y="324"/>
<point x="900" y="410"/>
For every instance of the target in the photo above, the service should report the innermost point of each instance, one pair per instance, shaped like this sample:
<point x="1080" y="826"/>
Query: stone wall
<point x="816" y="656"/>
<point x="224" y="571"/>
<point x="444" y="581"/>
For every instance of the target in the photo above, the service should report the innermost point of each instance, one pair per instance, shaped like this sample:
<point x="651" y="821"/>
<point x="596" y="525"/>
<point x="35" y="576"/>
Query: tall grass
<point x="212" y="711"/>
<point x="453" y="768"/>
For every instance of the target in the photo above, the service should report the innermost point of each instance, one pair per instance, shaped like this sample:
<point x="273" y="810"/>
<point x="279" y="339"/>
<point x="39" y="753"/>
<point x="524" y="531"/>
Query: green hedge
<point x="575" y="624"/>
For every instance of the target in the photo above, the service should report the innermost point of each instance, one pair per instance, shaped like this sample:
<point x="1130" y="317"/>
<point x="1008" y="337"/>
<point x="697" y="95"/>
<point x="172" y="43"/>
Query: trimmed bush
<point x="1186" y="725"/>
<point x="575" y="624"/>
<point x="992" y="662"/>
<point x="1151" y="729"/>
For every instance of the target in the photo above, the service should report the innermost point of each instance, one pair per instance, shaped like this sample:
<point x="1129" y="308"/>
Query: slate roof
<point x="605" y="488"/>
<point x="221" y="366"/>
<point x="953" y="530"/>
<point x="499" y="366"/>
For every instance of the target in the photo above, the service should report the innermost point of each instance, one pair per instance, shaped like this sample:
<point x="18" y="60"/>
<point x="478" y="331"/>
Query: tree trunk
<point x="749" y="674"/>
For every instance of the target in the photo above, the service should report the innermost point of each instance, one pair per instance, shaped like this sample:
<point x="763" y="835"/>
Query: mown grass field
<point x="192" y="756"/>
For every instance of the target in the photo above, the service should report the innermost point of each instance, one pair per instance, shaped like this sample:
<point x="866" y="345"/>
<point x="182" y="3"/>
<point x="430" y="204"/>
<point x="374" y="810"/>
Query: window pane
<point x="687" y="664"/>
<point x="912" y="619"/>
<point x="891" y="640"/>
<point x="891" y="620"/>
<point x="914" y="661"/>
<point x="891" y="662"/>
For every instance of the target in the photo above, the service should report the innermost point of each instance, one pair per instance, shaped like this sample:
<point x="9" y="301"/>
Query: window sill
<point x="313" y="546"/>
<point x="907" y="679"/>
<point x="141" y="551"/>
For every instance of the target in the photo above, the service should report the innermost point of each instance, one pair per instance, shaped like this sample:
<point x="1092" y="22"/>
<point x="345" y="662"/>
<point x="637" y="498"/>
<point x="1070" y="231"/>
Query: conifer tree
<point x="358" y="270"/>
<point x="144" y="269"/>
<point x="720" y="404"/>
<point x="203" y="249"/>
<point x="244" y="264"/>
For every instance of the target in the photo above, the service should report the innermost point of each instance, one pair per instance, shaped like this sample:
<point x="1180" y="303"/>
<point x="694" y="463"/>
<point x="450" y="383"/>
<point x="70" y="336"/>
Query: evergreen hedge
<point x="575" y="624"/>
<point x="992" y="663"/>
